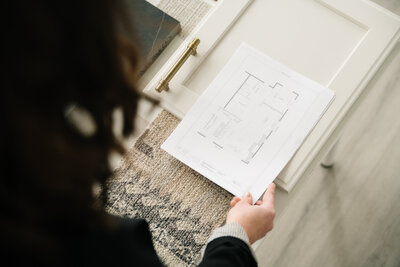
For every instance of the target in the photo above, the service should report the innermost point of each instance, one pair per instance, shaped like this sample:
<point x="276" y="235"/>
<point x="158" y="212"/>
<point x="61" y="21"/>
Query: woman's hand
<point x="257" y="220"/>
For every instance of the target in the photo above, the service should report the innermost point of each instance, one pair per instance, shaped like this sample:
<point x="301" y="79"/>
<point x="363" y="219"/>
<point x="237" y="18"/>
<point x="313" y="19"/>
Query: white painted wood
<point x="338" y="43"/>
<point x="348" y="215"/>
<point x="209" y="31"/>
<point x="329" y="159"/>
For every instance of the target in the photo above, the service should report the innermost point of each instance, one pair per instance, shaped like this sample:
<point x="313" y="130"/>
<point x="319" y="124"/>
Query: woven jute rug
<point x="181" y="206"/>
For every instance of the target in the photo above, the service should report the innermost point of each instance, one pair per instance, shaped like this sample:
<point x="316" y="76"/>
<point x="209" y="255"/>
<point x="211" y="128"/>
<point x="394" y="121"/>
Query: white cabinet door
<point x="338" y="43"/>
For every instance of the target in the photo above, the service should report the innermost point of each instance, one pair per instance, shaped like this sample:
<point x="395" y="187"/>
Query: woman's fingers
<point x="248" y="198"/>
<point x="234" y="201"/>
<point x="267" y="198"/>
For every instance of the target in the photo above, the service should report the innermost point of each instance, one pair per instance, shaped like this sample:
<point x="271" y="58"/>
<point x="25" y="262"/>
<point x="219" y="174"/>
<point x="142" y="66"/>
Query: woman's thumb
<point x="247" y="198"/>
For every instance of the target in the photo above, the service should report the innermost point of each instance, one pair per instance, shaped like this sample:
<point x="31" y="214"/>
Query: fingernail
<point x="246" y="194"/>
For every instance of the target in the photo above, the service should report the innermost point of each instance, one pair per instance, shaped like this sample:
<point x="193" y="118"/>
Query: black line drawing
<point x="236" y="91"/>
<point x="276" y="84"/>
<point x="218" y="145"/>
<point x="254" y="76"/>
<point x="271" y="107"/>
<point x="201" y="134"/>
<point x="249" y="76"/>
<point x="227" y="127"/>
<point x="283" y="115"/>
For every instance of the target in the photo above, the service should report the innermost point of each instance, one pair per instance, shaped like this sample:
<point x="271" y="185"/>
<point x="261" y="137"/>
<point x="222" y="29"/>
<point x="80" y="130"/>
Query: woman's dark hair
<point x="58" y="55"/>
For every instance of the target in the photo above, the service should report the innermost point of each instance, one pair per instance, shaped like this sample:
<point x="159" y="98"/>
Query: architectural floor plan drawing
<point x="229" y="128"/>
<point x="248" y="123"/>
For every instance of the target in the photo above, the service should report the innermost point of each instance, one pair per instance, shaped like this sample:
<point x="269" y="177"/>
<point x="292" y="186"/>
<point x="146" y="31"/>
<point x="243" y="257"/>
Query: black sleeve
<point x="227" y="251"/>
<point x="129" y="244"/>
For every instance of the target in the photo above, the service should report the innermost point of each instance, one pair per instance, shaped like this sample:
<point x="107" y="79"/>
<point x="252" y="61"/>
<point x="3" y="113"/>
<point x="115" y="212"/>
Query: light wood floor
<point x="348" y="215"/>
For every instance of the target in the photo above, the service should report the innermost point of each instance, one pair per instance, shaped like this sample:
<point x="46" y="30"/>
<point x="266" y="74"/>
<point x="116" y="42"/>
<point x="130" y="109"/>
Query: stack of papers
<point x="248" y="123"/>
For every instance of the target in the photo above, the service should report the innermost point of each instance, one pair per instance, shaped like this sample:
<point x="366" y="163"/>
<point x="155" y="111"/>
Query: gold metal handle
<point x="190" y="50"/>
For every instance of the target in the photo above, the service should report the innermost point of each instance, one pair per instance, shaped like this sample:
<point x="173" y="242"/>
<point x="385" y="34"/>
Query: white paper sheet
<point x="248" y="123"/>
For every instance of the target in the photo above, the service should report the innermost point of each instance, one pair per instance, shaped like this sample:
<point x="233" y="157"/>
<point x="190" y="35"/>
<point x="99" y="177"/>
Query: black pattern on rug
<point x="181" y="206"/>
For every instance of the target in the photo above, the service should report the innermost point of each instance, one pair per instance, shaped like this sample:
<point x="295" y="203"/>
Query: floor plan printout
<point x="248" y="123"/>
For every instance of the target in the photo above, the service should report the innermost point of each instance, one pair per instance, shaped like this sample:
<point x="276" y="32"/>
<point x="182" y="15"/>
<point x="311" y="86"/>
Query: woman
<point x="63" y="55"/>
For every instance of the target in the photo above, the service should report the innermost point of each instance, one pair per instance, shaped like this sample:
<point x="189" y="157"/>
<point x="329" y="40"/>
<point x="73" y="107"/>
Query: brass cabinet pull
<point x="190" y="50"/>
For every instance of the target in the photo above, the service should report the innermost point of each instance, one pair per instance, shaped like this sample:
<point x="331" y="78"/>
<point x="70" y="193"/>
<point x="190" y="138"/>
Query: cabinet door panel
<point x="338" y="43"/>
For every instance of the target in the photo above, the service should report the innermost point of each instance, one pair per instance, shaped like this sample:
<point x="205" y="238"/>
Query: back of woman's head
<point x="60" y="57"/>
